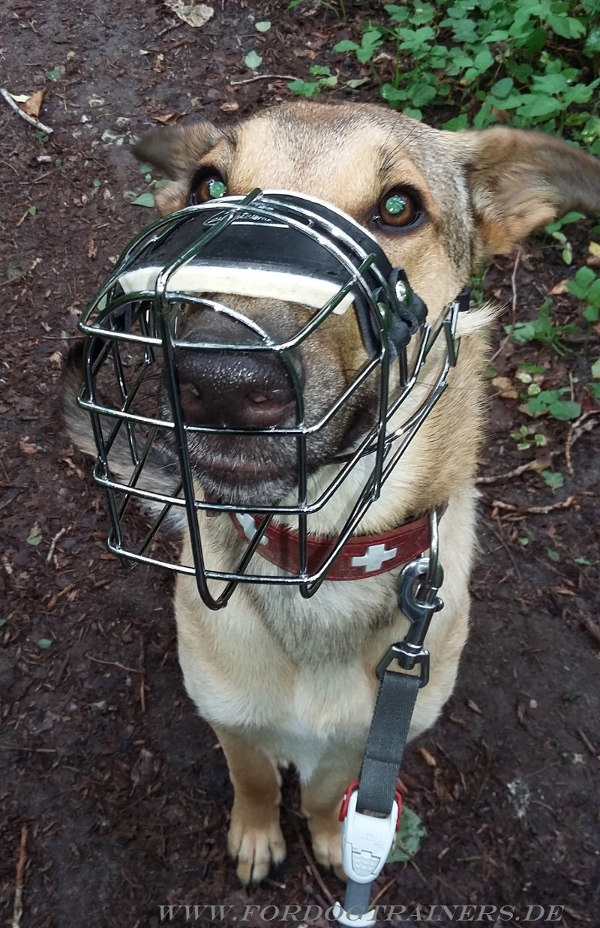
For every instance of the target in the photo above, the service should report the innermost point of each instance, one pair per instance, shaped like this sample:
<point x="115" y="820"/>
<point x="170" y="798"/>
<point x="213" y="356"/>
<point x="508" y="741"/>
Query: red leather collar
<point x="362" y="555"/>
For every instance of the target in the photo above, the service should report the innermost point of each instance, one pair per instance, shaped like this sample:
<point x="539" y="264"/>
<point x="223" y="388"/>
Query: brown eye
<point x="399" y="208"/>
<point x="207" y="185"/>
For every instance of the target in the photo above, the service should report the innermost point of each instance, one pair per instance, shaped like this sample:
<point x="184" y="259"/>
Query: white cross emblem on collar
<point x="248" y="525"/>
<point x="373" y="558"/>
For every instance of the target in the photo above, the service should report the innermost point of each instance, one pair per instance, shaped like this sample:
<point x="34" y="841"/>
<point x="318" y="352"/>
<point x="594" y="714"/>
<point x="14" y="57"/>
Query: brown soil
<point x="121" y="790"/>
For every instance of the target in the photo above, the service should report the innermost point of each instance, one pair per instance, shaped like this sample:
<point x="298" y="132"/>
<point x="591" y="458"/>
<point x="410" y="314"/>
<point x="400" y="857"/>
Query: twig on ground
<point x="513" y="282"/>
<point x="20" y="879"/>
<point x="142" y="674"/>
<point x="382" y="892"/>
<point x="509" y="474"/>
<point x="98" y="660"/>
<point x="534" y="510"/>
<point x="314" y="871"/>
<point x="585" y="423"/>
<point x="264" y="77"/>
<point x="30" y="119"/>
<point x="53" y="544"/>
<point x="592" y="627"/>
<point x="587" y="742"/>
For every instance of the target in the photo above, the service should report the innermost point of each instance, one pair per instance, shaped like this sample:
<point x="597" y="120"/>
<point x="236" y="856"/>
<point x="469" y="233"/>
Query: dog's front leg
<point x="321" y="802"/>
<point x="255" y="838"/>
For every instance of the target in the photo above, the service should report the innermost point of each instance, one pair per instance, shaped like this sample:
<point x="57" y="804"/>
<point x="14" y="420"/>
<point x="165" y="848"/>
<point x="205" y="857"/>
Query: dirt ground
<point x="107" y="774"/>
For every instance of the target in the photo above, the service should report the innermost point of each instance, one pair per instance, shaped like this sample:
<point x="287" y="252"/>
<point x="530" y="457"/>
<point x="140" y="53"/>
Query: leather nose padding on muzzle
<point x="232" y="387"/>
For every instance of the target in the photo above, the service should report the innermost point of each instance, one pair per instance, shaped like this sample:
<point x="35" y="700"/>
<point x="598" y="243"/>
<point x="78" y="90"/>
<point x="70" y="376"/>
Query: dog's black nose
<point x="233" y="387"/>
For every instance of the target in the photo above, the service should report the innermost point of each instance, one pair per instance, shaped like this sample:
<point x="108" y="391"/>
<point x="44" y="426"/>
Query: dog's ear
<point x="177" y="151"/>
<point x="522" y="180"/>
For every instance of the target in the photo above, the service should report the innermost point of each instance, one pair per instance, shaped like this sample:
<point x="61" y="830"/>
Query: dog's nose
<point x="233" y="387"/>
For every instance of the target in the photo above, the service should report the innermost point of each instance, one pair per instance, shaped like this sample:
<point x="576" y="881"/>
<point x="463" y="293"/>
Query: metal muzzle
<point x="210" y="260"/>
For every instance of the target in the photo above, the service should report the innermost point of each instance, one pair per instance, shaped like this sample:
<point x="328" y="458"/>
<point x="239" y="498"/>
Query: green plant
<point x="553" y="479"/>
<point x="586" y="286"/>
<point x="526" y="439"/>
<point x="551" y="402"/>
<point x="555" y="230"/>
<point x="410" y="835"/>
<point x="525" y="62"/>
<point x="541" y="329"/>
<point x="324" y="79"/>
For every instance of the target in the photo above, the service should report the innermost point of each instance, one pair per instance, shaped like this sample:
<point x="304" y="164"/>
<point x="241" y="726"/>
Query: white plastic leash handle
<point x="351" y="921"/>
<point x="366" y="842"/>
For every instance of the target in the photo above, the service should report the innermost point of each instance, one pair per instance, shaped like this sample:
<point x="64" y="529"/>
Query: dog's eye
<point x="399" y="208"/>
<point x="207" y="185"/>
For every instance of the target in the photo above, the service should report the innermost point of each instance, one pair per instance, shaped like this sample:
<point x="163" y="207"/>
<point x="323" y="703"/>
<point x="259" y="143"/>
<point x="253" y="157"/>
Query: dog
<point x="282" y="678"/>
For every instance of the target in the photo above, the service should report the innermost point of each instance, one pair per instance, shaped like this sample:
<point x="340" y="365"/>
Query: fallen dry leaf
<point x="33" y="104"/>
<point x="194" y="14"/>
<point x="26" y="446"/>
<point x="166" y="118"/>
<point x="229" y="107"/>
<point x="506" y="388"/>
<point x="594" y="249"/>
<point x="559" y="288"/>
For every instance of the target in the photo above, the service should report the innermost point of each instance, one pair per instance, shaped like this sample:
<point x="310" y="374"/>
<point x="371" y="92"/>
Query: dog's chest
<point x="334" y="626"/>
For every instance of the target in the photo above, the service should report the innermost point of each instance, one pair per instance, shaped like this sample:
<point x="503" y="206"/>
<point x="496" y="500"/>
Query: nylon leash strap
<point x="372" y="805"/>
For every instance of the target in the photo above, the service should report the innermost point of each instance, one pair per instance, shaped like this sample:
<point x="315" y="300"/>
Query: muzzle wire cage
<point x="301" y="250"/>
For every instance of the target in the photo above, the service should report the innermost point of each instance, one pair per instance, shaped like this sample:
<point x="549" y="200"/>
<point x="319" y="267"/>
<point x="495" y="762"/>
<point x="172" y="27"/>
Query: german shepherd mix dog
<point x="284" y="677"/>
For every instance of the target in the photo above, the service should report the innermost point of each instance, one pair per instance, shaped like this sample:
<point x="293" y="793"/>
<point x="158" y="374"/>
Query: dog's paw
<point x="327" y="846"/>
<point x="256" y="850"/>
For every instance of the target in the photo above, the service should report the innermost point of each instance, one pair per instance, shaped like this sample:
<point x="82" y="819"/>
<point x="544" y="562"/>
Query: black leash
<point x="371" y="807"/>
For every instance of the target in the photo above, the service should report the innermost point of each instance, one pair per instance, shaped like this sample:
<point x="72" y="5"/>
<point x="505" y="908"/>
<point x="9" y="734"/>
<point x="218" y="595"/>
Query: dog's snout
<point x="235" y="387"/>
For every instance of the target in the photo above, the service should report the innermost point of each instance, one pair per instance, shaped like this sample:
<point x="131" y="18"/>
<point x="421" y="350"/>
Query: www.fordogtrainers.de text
<point x="392" y="914"/>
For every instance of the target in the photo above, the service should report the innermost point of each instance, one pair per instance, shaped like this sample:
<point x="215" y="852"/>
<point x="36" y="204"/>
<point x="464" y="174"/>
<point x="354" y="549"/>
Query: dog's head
<point x="436" y="202"/>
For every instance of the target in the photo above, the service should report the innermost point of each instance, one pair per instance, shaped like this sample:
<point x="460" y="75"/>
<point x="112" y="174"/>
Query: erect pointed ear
<point x="522" y="180"/>
<point x="177" y="151"/>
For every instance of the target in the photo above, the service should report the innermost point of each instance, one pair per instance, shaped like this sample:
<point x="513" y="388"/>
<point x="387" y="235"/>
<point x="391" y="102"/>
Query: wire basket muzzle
<point x="139" y="352"/>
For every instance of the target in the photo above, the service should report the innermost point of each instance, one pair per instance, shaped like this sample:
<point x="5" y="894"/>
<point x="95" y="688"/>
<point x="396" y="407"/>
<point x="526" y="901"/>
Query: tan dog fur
<point x="278" y="677"/>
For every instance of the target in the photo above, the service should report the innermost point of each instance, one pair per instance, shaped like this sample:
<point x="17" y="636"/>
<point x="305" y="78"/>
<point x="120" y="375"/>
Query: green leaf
<point x="596" y="369"/>
<point x="346" y="45"/>
<point x="35" y="536"/>
<point x="304" y="88"/>
<point x="262" y="26"/>
<point x="553" y="479"/>
<point x="44" y="644"/>
<point x="502" y="88"/>
<point x="253" y="60"/>
<point x="592" y="43"/>
<point x="537" y="105"/>
<point x="409" y="837"/>
<point x="421" y="94"/>
<point x="456" y="124"/>
<point x="548" y="401"/>
<point x="398" y="13"/>
<point x="144" y="199"/>
<point x="393" y="94"/>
